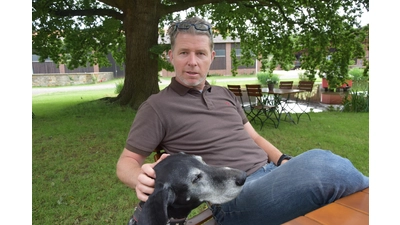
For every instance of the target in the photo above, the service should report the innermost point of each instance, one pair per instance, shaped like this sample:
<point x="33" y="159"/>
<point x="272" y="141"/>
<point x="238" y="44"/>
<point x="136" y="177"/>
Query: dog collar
<point x="174" y="221"/>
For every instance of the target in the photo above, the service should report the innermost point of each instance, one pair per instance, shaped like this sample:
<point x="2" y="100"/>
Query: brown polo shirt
<point x="207" y="123"/>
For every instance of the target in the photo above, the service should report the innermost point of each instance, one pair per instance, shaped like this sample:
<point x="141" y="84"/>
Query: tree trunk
<point x="141" y="70"/>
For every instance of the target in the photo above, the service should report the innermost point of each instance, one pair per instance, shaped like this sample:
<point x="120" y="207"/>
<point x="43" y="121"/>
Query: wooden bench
<point x="349" y="210"/>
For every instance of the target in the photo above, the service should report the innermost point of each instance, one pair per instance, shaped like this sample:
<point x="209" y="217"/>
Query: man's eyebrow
<point x="195" y="50"/>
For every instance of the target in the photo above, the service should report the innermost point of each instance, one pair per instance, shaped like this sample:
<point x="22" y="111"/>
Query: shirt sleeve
<point x="146" y="131"/>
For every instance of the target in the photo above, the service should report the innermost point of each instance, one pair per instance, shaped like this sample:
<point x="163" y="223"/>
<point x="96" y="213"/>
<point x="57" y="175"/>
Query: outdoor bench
<point x="349" y="210"/>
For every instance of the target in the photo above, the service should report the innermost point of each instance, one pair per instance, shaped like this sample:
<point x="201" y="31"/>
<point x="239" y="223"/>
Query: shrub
<point x="302" y="76"/>
<point x="360" y="81"/>
<point x="357" y="74"/>
<point x="306" y="76"/>
<point x="356" y="101"/>
<point x="267" y="77"/>
<point x="118" y="86"/>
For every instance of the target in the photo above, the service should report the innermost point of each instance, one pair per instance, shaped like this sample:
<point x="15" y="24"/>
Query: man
<point x="192" y="116"/>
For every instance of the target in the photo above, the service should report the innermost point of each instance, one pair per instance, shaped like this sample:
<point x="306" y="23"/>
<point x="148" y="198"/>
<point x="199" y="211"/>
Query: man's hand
<point x="145" y="185"/>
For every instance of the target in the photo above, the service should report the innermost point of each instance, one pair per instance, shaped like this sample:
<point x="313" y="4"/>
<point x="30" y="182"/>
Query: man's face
<point x="191" y="58"/>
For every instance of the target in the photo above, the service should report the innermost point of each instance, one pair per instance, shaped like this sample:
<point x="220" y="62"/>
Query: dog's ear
<point x="154" y="211"/>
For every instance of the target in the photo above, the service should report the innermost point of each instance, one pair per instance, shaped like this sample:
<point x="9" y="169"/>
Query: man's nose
<point x="192" y="59"/>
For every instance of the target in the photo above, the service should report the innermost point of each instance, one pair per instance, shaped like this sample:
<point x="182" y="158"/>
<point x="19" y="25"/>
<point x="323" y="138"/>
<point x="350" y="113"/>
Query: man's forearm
<point x="271" y="150"/>
<point x="128" y="171"/>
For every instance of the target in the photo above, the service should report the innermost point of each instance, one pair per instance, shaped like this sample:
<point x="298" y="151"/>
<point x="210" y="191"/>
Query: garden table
<point x="279" y="98"/>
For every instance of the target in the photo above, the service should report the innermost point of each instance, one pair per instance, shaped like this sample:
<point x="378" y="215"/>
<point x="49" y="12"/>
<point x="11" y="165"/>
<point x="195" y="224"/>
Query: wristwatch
<point x="283" y="156"/>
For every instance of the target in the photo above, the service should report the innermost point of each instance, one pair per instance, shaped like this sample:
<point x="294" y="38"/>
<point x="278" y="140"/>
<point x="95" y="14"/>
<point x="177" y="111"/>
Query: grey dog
<point x="185" y="181"/>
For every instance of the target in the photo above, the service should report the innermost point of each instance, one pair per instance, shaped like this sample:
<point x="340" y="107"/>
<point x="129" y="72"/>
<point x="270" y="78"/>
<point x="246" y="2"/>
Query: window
<point x="219" y="62"/>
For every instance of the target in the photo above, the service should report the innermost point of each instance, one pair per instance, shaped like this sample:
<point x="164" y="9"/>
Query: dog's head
<point x="183" y="182"/>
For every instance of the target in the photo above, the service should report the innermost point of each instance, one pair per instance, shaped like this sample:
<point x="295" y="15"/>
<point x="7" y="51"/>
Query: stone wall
<point x="67" y="79"/>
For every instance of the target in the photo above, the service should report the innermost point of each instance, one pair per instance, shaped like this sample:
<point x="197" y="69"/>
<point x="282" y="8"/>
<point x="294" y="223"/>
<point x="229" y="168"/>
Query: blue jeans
<point x="274" y="195"/>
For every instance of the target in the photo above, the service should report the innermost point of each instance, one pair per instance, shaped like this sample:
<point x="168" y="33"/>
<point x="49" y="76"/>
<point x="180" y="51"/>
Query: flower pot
<point x="270" y="86"/>
<point x="333" y="98"/>
<point x="325" y="84"/>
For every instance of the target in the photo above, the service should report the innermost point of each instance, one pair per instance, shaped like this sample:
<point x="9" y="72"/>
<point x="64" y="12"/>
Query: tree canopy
<point x="327" y="33"/>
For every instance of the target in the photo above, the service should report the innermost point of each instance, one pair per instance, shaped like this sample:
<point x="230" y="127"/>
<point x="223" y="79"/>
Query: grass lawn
<point x="76" y="142"/>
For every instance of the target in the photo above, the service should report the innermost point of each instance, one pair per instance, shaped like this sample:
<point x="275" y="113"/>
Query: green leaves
<point x="71" y="32"/>
<point x="281" y="28"/>
<point x="81" y="32"/>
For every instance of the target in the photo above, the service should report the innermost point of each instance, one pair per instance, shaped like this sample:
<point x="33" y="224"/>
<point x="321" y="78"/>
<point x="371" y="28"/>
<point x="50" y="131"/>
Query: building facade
<point x="222" y="64"/>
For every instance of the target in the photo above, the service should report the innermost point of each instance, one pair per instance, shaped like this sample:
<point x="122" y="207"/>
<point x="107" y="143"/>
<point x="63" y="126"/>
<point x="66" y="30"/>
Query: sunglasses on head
<point x="197" y="26"/>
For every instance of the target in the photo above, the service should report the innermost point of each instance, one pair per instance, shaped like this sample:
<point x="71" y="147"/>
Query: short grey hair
<point x="173" y="31"/>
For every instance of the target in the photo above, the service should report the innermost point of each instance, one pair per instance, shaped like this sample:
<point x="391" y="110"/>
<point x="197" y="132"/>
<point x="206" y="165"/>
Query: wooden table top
<point x="279" y="91"/>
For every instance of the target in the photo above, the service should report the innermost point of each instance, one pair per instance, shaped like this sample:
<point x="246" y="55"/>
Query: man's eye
<point x="197" y="178"/>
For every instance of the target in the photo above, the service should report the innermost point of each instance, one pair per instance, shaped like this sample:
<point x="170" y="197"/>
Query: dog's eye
<point x="197" y="178"/>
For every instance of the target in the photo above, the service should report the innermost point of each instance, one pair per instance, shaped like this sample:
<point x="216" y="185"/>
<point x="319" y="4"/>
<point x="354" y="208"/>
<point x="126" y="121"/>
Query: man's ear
<point x="213" y="53"/>
<point x="171" y="56"/>
<point x="155" y="211"/>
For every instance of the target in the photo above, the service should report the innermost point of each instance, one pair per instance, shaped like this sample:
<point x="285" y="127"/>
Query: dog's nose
<point x="240" y="179"/>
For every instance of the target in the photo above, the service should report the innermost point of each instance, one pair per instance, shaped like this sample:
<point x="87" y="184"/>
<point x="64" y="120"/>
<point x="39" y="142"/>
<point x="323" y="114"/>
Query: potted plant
<point x="268" y="78"/>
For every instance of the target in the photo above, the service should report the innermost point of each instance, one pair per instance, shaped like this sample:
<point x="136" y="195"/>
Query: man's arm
<point x="136" y="175"/>
<point x="271" y="150"/>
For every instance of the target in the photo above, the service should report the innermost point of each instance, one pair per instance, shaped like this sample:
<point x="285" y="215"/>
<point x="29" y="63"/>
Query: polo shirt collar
<point x="182" y="90"/>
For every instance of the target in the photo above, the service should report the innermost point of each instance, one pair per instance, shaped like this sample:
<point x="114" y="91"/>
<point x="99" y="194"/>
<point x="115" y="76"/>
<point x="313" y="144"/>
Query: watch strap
<point x="283" y="156"/>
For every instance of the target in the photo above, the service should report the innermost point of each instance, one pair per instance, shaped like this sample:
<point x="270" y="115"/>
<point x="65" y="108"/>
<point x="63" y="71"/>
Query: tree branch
<point x="184" y="4"/>
<point x="90" y="12"/>
<point x="114" y="3"/>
